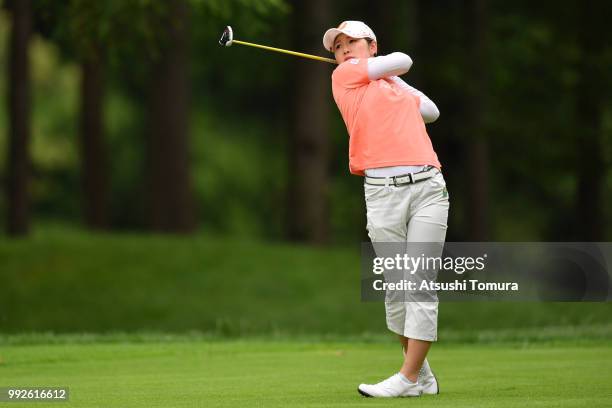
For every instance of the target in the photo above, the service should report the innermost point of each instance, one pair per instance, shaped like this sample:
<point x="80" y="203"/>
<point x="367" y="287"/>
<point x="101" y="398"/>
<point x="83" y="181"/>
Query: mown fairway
<point x="206" y="322"/>
<point x="298" y="373"/>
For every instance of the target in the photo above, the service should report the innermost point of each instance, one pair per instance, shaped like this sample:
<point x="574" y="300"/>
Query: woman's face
<point x="346" y="47"/>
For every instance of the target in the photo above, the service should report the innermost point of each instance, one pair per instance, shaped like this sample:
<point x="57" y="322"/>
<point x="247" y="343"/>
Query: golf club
<point x="227" y="39"/>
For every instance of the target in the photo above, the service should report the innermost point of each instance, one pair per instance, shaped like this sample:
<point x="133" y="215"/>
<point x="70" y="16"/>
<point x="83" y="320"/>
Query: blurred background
<point x="154" y="179"/>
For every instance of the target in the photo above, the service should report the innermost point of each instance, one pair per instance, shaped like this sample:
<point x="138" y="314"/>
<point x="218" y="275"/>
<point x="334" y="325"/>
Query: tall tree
<point x="94" y="168"/>
<point x="170" y="199"/>
<point x="476" y="105"/>
<point x="19" y="119"/>
<point x="592" y="34"/>
<point x="382" y="19"/>
<point x="309" y="146"/>
<point x="80" y="28"/>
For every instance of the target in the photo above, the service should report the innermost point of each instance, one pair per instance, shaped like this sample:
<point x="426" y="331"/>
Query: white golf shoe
<point x="428" y="380"/>
<point x="394" y="386"/>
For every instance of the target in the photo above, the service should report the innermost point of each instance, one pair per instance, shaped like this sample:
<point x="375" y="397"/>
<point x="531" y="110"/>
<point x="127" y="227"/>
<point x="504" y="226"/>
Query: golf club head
<point x="227" y="37"/>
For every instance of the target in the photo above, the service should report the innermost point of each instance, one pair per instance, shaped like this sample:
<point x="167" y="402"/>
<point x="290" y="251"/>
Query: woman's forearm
<point x="396" y="63"/>
<point x="429" y="110"/>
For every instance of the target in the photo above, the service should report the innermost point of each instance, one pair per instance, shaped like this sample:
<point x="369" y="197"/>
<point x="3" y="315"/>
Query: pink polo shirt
<point x="383" y="121"/>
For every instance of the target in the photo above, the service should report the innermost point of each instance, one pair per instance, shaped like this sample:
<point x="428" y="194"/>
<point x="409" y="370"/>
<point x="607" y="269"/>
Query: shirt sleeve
<point x="396" y="63"/>
<point x="429" y="110"/>
<point x="352" y="73"/>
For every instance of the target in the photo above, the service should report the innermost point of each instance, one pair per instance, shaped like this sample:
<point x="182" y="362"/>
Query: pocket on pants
<point x="439" y="180"/>
<point x="372" y="195"/>
<point x="439" y="186"/>
<point x="375" y="192"/>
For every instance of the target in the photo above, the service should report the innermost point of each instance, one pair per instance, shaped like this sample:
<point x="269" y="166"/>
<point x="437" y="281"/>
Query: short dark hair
<point x="369" y="40"/>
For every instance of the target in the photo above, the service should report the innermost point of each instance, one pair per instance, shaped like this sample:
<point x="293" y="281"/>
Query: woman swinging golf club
<point x="405" y="192"/>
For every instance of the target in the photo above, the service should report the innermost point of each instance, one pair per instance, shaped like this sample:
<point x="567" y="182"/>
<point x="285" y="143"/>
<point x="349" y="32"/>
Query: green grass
<point x="135" y="320"/>
<point x="188" y="372"/>
<point x="68" y="280"/>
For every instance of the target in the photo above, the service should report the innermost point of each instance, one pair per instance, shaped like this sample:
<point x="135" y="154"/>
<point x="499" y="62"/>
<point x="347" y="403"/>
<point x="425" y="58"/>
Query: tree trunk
<point x="170" y="191"/>
<point x="18" y="173"/>
<point x="382" y="19"/>
<point x="309" y="146"/>
<point x="589" y="112"/>
<point x="94" y="170"/>
<point x="477" y="151"/>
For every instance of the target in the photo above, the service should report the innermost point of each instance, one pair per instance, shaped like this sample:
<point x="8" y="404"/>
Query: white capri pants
<point x="409" y="213"/>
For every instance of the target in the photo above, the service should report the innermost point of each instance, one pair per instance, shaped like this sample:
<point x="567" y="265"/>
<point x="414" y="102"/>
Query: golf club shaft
<point x="298" y="54"/>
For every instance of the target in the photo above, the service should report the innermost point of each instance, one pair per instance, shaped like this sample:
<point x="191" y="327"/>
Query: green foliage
<point x="239" y="175"/>
<point x="121" y="28"/>
<point x="240" y="110"/>
<point x="224" y="9"/>
<point x="54" y="147"/>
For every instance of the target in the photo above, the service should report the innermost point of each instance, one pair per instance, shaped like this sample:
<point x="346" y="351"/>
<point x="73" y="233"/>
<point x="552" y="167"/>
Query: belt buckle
<point x="411" y="179"/>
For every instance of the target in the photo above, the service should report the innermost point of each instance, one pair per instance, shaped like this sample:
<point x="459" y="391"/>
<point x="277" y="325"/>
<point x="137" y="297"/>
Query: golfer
<point x="405" y="192"/>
